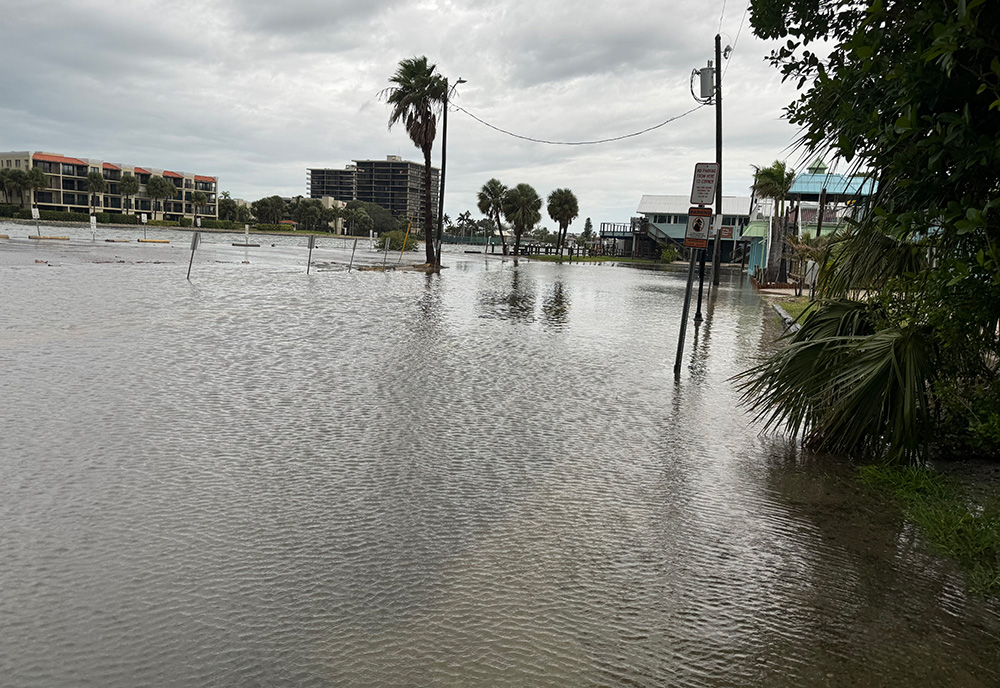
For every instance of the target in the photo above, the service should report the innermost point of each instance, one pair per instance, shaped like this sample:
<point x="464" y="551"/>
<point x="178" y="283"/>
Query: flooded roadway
<point x="484" y="478"/>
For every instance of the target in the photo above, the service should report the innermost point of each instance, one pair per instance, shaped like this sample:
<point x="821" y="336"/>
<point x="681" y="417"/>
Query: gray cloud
<point x="255" y="91"/>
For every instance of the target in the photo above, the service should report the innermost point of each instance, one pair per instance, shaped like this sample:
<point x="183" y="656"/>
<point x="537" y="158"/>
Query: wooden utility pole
<point x="717" y="253"/>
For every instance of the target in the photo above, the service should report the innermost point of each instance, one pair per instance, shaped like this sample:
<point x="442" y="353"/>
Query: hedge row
<point x="8" y="210"/>
<point x="162" y="223"/>
<point x="218" y="224"/>
<point x="273" y="228"/>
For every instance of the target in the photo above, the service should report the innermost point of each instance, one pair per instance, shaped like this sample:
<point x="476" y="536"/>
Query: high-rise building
<point x="66" y="187"/>
<point x="395" y="184"/>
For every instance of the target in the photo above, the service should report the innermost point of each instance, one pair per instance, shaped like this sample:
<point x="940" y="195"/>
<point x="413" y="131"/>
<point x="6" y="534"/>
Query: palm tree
<point x="128" y="186"/>
<point x="4" y="176"/>
<point x="95" y="185"/>
<point x="35" y="179"/>
<point x="563" y="209"/>
<point x="774" y="182"/>
<point x="490" y="204"/>
<point x="417" y="90"/>
<point x="157" y="187"/>
<point x="15" y="181"/>
<point x="521" y="207"/>
<point x="198" y="199"/>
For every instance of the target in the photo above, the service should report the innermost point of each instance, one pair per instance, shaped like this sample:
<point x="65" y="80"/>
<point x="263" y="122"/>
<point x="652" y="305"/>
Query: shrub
<point x="116" y="219"/>
<point x="8" y="210"/>
<point x="162" y="223"/>
<point x="218" y="224"/>
<point x="185" y="222"/>
<point x="668" y="254"/>
<point x="272" y="228"/>
<point x="59" y="216"/>
<point x="23" y="214"/>
<point x="395" y="239"/>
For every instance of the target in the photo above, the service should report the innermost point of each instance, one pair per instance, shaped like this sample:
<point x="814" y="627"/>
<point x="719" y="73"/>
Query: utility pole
<point x="717" y="253"/>
<point x="444" y="151"/>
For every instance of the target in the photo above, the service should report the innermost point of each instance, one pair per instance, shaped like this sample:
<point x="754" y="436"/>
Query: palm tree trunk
<point x="428" y="210"/>
<point x="503" y="239"/>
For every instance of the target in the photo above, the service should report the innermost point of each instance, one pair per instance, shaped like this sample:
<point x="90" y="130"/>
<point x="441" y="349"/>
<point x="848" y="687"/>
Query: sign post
<point x="195" y="240"/>
<point x="706" y="176"/>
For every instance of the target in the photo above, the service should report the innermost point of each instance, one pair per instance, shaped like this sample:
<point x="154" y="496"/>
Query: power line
<point x="722" y="15"/>
<point x="737" y="39"/>
<point x="576" y="143"/>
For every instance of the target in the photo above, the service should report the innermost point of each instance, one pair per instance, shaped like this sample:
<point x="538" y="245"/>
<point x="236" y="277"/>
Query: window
<point x="17" y="163"/>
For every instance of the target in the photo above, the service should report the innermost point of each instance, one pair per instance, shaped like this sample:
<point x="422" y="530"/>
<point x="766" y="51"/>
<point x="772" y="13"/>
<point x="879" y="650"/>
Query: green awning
<point x="757" y="228"/>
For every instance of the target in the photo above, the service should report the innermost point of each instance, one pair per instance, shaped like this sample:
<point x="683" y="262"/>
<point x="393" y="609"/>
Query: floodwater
<point x="490" y="477"/>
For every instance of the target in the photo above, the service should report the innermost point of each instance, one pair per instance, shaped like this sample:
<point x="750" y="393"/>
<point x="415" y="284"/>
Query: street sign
<point x="34" y="214"/>
<point x="696" y="235"/>
<point x="706" y="176"/>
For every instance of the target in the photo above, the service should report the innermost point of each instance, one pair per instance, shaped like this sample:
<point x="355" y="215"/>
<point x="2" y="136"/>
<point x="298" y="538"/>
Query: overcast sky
<point x="256" y="91"/>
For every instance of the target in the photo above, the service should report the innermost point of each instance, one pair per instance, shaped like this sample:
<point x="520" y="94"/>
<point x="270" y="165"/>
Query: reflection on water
<point x="483" y="477"/>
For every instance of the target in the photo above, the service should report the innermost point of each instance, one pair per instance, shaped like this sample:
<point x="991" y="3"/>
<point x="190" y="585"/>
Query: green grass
<point x="797" y="306"/>
<point x="967" y="532"/>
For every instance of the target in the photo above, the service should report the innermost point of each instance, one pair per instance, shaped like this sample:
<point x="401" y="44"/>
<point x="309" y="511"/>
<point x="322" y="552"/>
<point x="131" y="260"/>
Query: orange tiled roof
<point x="109" y="166"/>
<point x="202" y="178"/>
<point x="139" y="170"/>
<point x="168" y="173"/>
<point x="45" y="157"/>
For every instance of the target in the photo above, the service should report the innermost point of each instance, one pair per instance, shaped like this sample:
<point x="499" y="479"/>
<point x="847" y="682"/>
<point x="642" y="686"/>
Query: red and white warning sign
<point x="699" y="220"/>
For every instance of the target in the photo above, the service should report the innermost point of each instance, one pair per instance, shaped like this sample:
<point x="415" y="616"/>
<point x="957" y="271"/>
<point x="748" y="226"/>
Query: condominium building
<point x="66" y="187"/>
<point x="395" y="184"/>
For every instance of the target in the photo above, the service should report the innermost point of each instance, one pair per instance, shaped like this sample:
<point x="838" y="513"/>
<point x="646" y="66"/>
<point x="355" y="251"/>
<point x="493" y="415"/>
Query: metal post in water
<point x="312" y="245"/>
<point x="701" y="285"/>
<point x="684" y="316"/>
<point x="195" y="240"/>
<point x="352" y="254"/>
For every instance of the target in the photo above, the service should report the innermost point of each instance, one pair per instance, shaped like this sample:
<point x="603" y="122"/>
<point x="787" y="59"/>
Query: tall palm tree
<point x="35" y="179"/>
<point x="521" y="207"/>
<point x="418" y="90"/>
<point x="774" y="182"/>
<point x="563" y="209"/>
<point x="198" y="199"/>
<point x="490" y="203"/>
<point x="95" y="185"/>
<point x="128" y="186"/>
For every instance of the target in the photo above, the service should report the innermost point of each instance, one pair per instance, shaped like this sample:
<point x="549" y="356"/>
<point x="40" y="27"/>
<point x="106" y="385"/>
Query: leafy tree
<point x="396" y="239"/>
<point x="243" y="214"/>
<point x="382" y="219"/>
<point x="269" y="210"/>
<point x="563" y="209"/>
<point x="128" y="186"/>
<point x="521" y="207"/>
<point x="588" y="231"/>
<point x="774" y="182"/>
<point x="359" y="222"/>
<point x="490" y="203"/>
<point x="35" y="179"/>
<point x="199" y="199"/>
<point x="417" y="91"/>
<point x="158" y="188"/>
<point x="4" y="176"/>
<point x="95" y="185"/>
<point x="900" y="356"/>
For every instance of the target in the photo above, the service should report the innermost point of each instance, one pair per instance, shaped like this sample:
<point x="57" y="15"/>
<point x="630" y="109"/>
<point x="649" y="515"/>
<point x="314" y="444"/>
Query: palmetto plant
<point x="845" y="386"/>
<point x="416" y="93"/>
